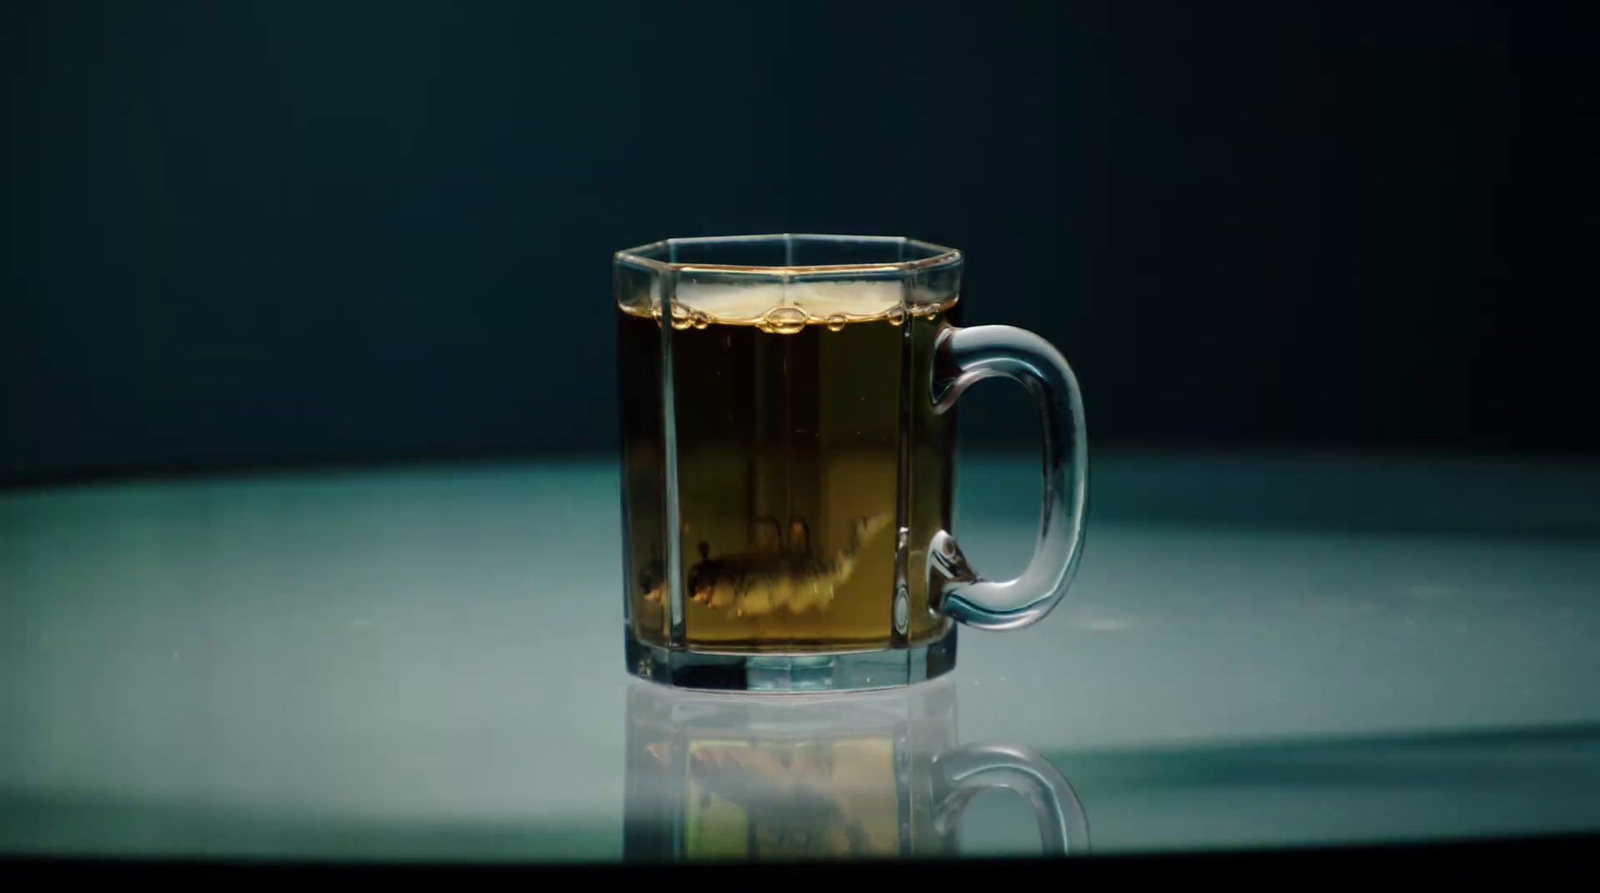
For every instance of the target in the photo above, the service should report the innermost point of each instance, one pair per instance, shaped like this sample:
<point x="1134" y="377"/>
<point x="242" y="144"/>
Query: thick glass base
<point x="888" y="668"/>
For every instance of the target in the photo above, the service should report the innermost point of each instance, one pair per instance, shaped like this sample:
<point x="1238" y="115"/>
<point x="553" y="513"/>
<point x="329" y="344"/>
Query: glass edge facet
<point x="939" y="256"/>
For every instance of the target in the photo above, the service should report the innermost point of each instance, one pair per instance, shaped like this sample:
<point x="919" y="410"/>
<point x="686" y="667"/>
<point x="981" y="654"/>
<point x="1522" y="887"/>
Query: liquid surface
<point x="790" y="419"/>
<point x="761" y="305"/>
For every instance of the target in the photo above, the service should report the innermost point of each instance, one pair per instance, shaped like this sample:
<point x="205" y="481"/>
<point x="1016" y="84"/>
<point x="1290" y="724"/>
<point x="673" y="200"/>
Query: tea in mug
<point x="799" y="433"/>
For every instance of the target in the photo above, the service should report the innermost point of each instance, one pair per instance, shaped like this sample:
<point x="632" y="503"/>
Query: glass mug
<point x="787" y="426"/>
<point x="870" y="775"/>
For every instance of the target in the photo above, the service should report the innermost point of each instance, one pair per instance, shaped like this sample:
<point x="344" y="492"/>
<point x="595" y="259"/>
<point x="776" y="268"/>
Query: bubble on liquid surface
<point x="699" y="319"/>
<point x="680" y="317"/>
<point x="896" y="315"/>
<point x="782" y="320"/>
<point x="836" y="322"/>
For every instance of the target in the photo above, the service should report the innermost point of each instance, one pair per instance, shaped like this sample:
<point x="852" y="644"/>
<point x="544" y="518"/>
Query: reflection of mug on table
<point x="870" y="775"/>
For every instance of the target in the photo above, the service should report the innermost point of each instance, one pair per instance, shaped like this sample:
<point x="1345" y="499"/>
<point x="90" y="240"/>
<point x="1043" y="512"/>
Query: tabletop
<point x="426" y="663"/>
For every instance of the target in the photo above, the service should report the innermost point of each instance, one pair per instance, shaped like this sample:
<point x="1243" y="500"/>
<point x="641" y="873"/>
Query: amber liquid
<point x="789" y="435"/>
<point x="786" y="800"/>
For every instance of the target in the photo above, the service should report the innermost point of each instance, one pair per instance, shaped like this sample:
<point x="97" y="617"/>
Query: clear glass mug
<point x="868" y="775"/>
<point x="788" y="462"/>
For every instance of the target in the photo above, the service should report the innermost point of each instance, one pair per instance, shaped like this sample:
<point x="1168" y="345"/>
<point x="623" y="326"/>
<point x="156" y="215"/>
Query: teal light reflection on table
<point x="423" y="663"/>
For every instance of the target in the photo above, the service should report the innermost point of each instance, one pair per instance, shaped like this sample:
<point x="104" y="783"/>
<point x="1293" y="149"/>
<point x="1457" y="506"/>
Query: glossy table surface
<point x="426" y="663"/>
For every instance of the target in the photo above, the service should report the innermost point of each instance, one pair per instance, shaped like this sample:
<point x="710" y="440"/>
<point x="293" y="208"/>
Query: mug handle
<point x="963" y="356"/>
<point x="968" y="771"/>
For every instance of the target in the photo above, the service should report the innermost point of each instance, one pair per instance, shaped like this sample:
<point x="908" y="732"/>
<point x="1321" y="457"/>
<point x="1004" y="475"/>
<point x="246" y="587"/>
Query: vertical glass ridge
<point x="669" y="458"/>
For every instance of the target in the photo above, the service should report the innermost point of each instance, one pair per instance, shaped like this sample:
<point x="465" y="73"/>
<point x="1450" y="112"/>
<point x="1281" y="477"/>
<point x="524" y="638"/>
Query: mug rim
<point x="938" y="256"/>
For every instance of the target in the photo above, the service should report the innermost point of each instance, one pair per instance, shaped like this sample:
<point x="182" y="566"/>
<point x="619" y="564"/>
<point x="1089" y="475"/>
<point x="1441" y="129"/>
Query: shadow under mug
<point x="871" y="775"/>
<point x="787" y="409"/>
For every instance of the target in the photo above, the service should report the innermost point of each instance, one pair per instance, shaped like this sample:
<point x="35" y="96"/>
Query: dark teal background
<point x="268" y="232"/>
